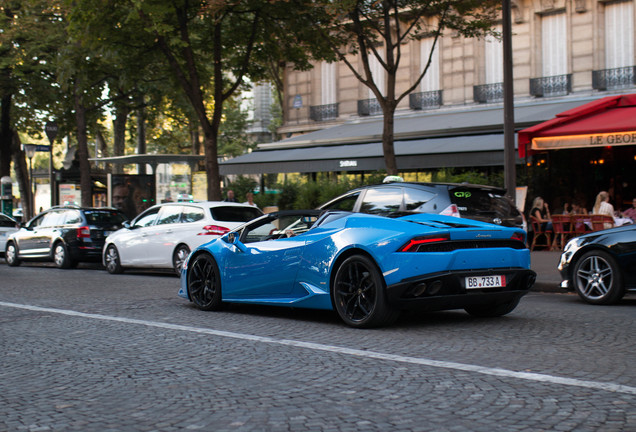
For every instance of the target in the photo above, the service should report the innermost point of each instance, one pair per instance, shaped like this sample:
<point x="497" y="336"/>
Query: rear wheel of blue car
<point x="359" y="296"/>
<point x="204" y="283"/>
<point x="597" y="278"/>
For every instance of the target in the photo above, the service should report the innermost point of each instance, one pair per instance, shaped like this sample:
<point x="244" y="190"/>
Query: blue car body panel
<point x="297" y="271"/>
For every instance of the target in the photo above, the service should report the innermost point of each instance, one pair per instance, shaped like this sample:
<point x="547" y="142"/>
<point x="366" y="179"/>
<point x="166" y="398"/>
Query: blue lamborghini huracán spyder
<point x="365" y="267"/>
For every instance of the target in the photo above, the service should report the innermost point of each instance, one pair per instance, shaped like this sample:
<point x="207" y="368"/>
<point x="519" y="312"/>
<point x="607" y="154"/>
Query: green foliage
<point x="458" y="175"/>
<point x="241" y="186"/>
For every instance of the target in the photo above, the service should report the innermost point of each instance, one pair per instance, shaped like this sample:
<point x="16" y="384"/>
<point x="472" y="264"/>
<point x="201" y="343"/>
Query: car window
<point x="192" y="214"/>
<point x="234" y="213"/>
<point x="72" y="217"/>
<point x="5" y="221"/>
<point x="474" y="201"/>
<point x="146" y="219"/>
<point x="382" y="201"/>
<point x="169" y="214"/>
<point x="346" y="203"/>
<point x="282" y="227"/>
<point x="53" y="218"/>
<point x="104" y="217"/>
<point x="415" y="198"/>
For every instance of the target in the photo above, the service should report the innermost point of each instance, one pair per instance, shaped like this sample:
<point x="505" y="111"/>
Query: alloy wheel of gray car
<point x="597" y="279"/>
<point x="358" y="294"/>
<point x="61" y="256"/>
<point x="204" y="282"/>
<point x="179" y="257"/>
<point x="112" y="260"/>
<point x="11" y="255"/>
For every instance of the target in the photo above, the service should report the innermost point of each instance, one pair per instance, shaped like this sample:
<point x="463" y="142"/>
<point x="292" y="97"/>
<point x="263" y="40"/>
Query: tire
<point x="359" y="296"/>
<point x="204" y="282"/>
<point x="492" y="310"/>
<point x="178" y="258"/>
<point x="11" y="255"/>
<point x="597" y="278"/>
<point x="112" y="262"/>
<point x="61" y="257"/>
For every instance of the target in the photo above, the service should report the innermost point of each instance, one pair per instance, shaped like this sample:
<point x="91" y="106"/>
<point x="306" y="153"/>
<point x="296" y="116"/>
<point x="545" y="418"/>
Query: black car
<point x="65" y="234"/>
<point x="600" y="266"/>
<point x="477" y="202"/>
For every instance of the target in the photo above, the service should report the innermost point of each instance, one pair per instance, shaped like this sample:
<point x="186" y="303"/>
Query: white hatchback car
<point x="163" y="235"/>
<point x="7" y="227"/>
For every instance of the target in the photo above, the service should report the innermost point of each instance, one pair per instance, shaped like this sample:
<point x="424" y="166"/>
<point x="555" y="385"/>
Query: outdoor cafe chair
<point x="563" y="230"/>
<point x="579" y="224"/>
<point x="540" y="237"/>
<point x="601" y="222"/>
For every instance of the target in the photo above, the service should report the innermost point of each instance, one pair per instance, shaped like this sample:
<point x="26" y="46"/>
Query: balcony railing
<point x="323" y="112"/>
<point x="551" y="86"/>
<point x="368" y="107"/>
<point x="606" y="79"/>
<point x="425" y="100"/>
<point x="488" y="93"/>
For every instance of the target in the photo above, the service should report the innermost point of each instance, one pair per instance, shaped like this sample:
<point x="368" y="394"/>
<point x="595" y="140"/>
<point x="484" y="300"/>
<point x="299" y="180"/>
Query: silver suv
<point x="395" y="198"/>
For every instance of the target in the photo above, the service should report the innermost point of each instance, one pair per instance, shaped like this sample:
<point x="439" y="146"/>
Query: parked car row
<point x="160" y="237"/>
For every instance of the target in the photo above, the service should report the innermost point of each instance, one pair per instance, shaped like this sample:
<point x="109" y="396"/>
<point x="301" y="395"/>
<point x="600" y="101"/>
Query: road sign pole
<point x="51" y="133"/>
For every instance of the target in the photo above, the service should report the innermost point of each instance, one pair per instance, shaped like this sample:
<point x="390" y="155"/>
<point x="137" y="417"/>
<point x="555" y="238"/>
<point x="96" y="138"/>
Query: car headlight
<point x="568" y="252"/>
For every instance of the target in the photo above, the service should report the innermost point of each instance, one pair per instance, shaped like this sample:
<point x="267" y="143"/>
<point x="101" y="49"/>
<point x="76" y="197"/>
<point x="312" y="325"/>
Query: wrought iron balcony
<point x="551" y="86"/>
<point x="425" y="100"/>
<point x="614" y="78"/>
<point x="367" y="107"/>
<point x="323" y="112"/>
<point x="488" y="93"/>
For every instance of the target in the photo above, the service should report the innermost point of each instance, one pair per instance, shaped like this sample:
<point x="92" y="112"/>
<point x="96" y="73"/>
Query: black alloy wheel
<point x="204" y="283"/>
<point x="597" y="278"/>
<point x="112" y="260"/>
<point x="178" y="258"/>
<point x="358" y="294"/>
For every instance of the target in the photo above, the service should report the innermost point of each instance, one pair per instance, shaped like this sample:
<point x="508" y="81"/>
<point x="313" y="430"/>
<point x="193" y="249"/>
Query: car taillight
<point x="518" y="236"/>
<point x="414" y="243"/>
<point x="83" y="232"/>
<point x="214" y="230"/>
<point x="451" y="210"/>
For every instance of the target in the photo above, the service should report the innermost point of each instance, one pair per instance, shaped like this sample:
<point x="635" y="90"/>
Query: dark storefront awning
<point x="609" y="121"/>
<point x="457" y="137"/>
<point x="463" y="151"/>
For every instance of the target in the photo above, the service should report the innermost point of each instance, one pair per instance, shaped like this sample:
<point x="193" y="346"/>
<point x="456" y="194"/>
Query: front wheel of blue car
<point x="359" y="295"/>
<point x="204" y="283"/>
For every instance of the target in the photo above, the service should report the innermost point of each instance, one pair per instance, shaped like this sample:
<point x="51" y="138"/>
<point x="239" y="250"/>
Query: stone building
<point x="566" y="53"/>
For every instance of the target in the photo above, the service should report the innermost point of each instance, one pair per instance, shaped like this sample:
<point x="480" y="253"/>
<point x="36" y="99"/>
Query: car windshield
<point x="104" y="217"/>
<point x="234" y="213"/>
<point x="474" y="201"/>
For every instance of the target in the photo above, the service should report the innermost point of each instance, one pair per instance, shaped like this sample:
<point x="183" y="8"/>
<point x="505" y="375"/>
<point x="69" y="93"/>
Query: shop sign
<point x="587" y="140"/>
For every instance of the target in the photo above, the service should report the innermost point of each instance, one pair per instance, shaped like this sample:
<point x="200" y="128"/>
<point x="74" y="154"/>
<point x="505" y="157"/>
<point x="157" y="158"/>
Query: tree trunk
<point x="5" y="136"/>
<point x="82" y="150"/>
<point x="141" y="134"/>
<point x="388" y="147"/>
<point x="119" y="134"/>
<point x="21" y="172"/>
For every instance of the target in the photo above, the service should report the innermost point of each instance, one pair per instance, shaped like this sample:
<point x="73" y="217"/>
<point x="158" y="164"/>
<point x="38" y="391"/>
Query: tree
<point x="378" y="29"/>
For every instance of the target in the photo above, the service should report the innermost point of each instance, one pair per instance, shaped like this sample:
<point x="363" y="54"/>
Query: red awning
<point x="605" y="122"/>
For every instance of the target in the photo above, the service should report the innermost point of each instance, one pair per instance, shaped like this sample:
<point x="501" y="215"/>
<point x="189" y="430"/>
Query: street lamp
<point x="30" y="150"/>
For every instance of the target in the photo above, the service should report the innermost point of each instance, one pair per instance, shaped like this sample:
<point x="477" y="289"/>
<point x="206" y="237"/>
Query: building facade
<point x="565" y="53"/>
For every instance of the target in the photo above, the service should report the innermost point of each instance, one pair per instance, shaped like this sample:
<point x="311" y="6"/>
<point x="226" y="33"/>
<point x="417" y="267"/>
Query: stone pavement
<point x="545" y="264"/>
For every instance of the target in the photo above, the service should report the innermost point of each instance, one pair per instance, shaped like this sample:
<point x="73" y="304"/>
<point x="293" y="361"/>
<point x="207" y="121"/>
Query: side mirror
<point x="233" y="239"/>
<point x="126" y="224"/>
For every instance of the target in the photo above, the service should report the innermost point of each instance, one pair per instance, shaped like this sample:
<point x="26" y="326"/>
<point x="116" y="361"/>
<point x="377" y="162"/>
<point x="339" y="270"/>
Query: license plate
<point x="479" y="282"/>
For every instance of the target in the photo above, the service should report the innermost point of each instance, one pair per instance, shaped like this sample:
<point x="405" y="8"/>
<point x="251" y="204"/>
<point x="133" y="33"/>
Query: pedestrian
<point x="631" y="212"/>
<point x="540" y="212"/>
<point x="250" y="199"/>
<point x="230" y="196"/>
